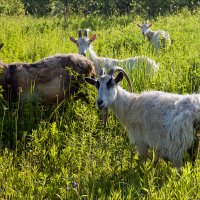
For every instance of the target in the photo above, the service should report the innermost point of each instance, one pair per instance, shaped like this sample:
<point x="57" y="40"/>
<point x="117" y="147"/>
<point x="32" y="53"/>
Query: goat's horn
<point x="86" y="32"/>
<point x="79" y="34"/>
<point x="114" y="69"/>
<point x="102" y="72"/>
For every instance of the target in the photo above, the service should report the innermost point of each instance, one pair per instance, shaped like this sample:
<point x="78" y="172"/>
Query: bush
<point x="11" y="7"/>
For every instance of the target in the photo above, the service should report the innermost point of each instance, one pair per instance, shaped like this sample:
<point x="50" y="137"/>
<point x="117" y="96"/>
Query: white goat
<point x="168" y="123"/>
<point x="84" y="45"/>
<point x="159" y="39"/>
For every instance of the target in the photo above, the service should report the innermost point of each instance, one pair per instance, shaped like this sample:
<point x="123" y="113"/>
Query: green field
<point x="63" y="151"/>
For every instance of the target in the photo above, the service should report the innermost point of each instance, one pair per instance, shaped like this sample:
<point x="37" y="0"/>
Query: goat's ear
<point x="119" y="77"/>
<point x="139" y="25"/>
<point x="90" y="81"/>
<point x="93" y="37"/>
<point x="149" y="25"/>
<point x="73" y="39"/>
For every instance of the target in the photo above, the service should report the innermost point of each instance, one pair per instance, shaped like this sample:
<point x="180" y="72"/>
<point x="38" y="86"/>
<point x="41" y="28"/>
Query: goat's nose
<point x="99" y="102"/>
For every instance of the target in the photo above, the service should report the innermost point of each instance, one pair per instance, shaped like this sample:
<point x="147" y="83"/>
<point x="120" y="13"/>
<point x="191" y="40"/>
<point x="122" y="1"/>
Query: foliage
<point x="11" y="7"/>
<point x="63" y="151"/>
<point x="65" y="8"/>
<point x="37" y="7"/>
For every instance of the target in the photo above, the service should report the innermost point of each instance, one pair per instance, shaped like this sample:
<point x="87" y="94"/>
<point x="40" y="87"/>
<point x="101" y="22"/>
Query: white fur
<point x="84" y="45"/>
<point x="128" y="63"/>
<point x="158" y="38"/>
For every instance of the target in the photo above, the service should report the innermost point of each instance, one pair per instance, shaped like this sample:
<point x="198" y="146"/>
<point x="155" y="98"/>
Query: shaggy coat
<point x="48" y="81"/>
<point x="168" y="123"/>
<point x="159" y="120"/>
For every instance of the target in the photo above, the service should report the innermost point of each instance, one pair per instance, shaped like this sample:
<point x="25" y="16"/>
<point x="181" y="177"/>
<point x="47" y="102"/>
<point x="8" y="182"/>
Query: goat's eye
<point x="109" y="83"/>
<point x="97" y="84"/>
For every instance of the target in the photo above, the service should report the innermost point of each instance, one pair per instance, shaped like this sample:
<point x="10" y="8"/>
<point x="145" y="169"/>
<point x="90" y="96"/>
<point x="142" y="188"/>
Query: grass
<point x="63" y="152"/>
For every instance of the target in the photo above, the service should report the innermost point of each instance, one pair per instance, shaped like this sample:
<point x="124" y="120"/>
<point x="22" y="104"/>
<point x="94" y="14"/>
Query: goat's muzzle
<point x="100" y="104"/>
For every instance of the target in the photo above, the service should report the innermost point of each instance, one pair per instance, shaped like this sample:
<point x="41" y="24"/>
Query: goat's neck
<point x="122" y="104"/>
<point x="99" y="62"/>
<point x="92" y="53"/>
<point x="150" y="34"/>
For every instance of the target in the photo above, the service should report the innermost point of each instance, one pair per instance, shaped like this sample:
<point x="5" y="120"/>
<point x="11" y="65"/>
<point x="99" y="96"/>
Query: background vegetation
<point x="66" y="8"/>
<point x="63" y="151"/>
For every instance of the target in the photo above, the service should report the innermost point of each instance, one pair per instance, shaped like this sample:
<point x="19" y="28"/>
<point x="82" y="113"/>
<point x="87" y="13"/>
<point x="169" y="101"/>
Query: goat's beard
<point x="105" y="116"/>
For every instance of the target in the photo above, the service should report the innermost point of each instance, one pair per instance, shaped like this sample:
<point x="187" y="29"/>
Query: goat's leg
<point x="178" y="164"/>
<point x="143" y="152"/>
<point x="156" y="159"/>
<point x="193" y="150"/>
<point x="163" y="41"/>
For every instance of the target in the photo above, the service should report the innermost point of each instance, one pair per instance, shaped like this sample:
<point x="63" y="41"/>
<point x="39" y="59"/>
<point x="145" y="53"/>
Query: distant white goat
<point x="84" y="45"/>
<point x="160" y="39"/>
<point x="168" y="123"/>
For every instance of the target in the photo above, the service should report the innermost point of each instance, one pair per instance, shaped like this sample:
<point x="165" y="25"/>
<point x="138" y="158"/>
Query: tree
<point x="38" y="7"/>
<point x="11" y="7"/>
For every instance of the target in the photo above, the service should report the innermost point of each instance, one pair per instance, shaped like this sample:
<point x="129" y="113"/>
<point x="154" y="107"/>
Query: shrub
<point x="11" y="7"/>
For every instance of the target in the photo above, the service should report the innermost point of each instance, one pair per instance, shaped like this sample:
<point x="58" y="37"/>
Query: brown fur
<point x="47" y="81"/>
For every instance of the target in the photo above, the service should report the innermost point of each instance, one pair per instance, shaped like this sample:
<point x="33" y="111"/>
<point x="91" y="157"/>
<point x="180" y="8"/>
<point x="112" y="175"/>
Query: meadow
<point x="63" y="151"/>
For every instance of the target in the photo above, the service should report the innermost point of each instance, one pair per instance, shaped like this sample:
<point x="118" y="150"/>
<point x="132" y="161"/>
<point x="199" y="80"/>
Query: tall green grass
<point x="63" y="151"/>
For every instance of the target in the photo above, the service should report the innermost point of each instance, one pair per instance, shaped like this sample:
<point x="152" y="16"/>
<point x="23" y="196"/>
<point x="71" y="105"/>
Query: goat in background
<point x="84" y="45"/>
<point x="159" y="39"/>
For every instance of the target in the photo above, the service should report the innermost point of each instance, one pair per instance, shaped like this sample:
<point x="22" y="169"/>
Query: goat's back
<point x="48" y="78"/>
<point x="76" y="62"/>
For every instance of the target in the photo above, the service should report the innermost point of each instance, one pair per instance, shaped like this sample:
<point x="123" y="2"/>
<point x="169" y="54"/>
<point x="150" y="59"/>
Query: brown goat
<point x="48" y="81"/>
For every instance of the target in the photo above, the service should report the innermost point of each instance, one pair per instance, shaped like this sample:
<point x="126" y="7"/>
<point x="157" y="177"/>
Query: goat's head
<point x="144" y="27"/>
<point x="83" y="43"/>
<point x="107" y="86"/>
